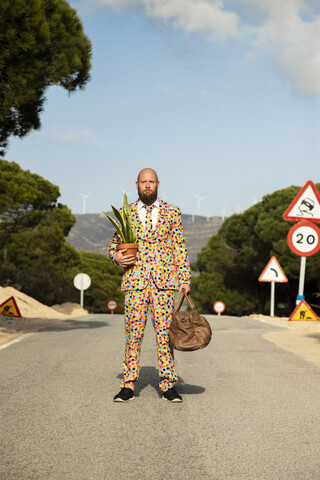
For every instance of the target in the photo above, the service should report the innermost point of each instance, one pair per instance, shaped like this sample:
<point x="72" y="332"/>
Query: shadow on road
<point x="150" y="376"/>
<point x="74" y="324"/>
<point x="27" y="325"/>
<point x="316" y="336"/>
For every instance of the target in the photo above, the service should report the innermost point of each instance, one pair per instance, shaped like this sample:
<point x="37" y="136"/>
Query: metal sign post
<point x="272" y="299"/>
<point x="302" y="278"/>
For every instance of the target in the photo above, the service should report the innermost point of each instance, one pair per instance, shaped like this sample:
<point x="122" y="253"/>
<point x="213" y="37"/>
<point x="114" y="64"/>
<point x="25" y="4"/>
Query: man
<point x="151" y="279"/>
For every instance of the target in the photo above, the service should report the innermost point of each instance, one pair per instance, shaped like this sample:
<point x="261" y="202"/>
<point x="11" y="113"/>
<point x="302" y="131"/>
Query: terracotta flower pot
<point x="132" y="248"/>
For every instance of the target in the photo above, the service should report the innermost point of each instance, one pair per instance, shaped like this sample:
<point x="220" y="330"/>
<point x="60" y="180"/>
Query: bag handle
<point x="183" y="295"/>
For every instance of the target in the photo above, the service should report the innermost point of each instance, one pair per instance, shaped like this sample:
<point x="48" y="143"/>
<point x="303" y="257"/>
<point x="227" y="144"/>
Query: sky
<point x="220" y="97"/>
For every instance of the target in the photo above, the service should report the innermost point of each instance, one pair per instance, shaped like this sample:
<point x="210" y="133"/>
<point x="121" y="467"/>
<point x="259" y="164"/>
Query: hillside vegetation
<point x="35" y="256"/>
<point x="230" y="264"/>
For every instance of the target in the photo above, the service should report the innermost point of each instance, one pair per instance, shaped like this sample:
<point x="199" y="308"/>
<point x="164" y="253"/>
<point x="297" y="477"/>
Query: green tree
<point x="233" y="260"/>
<point x="33" y="226"/>
<point x="42" y="43"/>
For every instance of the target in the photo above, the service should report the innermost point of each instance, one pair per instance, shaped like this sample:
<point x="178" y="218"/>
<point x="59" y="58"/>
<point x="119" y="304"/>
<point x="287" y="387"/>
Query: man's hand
<point x="185" y="287"/>
<point x="124" y="260"/>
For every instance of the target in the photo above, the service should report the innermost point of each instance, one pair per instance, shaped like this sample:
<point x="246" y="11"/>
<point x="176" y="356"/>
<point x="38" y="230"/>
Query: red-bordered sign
<point x="273" y="272"/>
<point x="10" y="308"/>
<point x="303" y="312"/>
<point x="304" y="239"/>
<point x="306" y="205"/>
<point x="112" y="304"/>
<point x="219" y="307"/>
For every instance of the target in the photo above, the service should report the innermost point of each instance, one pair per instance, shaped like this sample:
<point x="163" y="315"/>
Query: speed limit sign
<point x="304" y="239"/>
<point x="219" y="307"/>
<point x="112" y="305"/>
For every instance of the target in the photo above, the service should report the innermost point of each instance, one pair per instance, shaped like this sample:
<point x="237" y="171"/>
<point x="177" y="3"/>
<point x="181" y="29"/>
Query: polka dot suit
<point x="162" y="263"/>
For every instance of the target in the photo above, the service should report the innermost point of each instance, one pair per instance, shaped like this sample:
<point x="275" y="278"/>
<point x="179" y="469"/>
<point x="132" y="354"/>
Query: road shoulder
<point x="299" y="337"/>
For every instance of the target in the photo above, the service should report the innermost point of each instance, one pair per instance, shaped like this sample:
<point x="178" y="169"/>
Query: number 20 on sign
<point x="304" y="239"/>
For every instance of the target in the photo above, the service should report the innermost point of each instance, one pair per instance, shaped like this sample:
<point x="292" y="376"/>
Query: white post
<point x="81" y="292"/>
<point x="272" y="299"/>
<point x="81" y="298"/>
<point x="302" y="275"/>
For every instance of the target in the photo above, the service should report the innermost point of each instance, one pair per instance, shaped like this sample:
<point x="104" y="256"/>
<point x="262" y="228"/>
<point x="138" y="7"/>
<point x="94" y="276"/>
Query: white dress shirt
<point x="142" y="213"/>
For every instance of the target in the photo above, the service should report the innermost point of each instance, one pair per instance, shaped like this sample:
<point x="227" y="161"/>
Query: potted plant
<point x="125" y="229"/>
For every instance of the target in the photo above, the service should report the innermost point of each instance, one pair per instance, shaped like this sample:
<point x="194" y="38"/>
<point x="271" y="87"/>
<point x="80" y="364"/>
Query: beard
<point x="148" y="198"/>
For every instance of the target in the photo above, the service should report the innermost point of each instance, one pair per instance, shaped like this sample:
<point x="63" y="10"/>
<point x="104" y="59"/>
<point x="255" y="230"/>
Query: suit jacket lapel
<point x="136" y="218"/>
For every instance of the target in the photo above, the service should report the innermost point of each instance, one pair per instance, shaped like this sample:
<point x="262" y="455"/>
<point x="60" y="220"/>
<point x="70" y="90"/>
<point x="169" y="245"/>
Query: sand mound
<point x="69" y="308"/>
<point x="31" y="308"/>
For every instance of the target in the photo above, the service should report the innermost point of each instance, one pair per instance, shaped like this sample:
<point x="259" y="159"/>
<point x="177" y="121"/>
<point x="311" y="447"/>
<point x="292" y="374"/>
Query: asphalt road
<point x="250" y="410"/>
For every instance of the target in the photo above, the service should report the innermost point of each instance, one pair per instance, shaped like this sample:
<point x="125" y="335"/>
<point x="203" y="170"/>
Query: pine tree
<point x="42" y="43"/>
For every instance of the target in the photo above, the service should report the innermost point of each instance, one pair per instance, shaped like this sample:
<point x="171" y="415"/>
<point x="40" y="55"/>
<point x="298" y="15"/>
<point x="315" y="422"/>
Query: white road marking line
<point x="15" y="340"/>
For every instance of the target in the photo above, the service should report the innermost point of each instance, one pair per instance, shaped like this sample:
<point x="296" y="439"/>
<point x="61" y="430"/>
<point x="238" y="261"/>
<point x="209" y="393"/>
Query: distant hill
<point x="93" y="232"/>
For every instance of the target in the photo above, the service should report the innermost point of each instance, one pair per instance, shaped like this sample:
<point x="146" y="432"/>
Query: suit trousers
<point x="137" y="303"/>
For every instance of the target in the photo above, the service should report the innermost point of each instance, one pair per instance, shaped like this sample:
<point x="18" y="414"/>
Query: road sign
<point x="273" y="272"/>
<point x="304" y="239"/>
<point x="306" y="205"/>
<point x="10" y="308"/>
<point x="219" y="307"/>
<point x="112" y="305"/>
<point x="82" y="281"/>
<point x="303" y="312"/>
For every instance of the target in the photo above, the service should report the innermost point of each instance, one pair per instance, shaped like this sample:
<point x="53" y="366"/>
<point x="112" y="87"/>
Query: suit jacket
<point x="162" y="252"/>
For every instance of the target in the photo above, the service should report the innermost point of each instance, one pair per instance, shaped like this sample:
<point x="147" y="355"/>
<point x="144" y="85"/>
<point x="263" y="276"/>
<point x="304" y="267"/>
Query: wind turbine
<point x="84" y="198"/>
<point x="199" y="200"/>
<point x="163" y="195"/>
<point x="123" y="192"/>
<point x="239" y="209"/>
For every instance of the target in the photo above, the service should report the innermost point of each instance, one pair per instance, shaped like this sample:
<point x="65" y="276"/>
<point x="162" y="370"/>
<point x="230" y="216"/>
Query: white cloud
<point x="81" y="137"/>
<point x="288" y="29"/>
<point x="195" y="15"/>
<point x="292" y="33"/>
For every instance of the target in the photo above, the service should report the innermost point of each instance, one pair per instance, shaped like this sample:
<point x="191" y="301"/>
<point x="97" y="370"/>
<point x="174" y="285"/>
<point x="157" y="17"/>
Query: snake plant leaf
<point x="119" y="217"/>
<point x="116" y="226"/>
<point x="125" y="228"/>
<point x="131" y="231"/>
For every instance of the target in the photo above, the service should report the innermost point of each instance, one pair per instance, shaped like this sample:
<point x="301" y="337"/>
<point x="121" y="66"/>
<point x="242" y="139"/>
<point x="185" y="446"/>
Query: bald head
<point x="147" y="186"/>
<point x="149" y="171"/>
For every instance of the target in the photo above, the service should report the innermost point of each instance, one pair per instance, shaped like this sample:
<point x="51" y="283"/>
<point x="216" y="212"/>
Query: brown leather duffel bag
<point x="188" y="330"/>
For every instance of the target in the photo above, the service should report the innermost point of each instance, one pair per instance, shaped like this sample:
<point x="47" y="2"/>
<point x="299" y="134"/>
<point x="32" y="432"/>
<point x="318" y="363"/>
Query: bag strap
<point x="183" y="295"/>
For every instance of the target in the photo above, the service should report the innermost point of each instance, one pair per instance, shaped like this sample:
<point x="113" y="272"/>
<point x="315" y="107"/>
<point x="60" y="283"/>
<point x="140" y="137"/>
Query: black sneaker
<point x="124" y="395"/>
<point x="172" y="396"/>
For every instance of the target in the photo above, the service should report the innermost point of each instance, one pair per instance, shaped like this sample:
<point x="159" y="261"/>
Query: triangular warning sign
<point x="303" y="312"/>
<point x="10" y="308"/>
<point x="306" y="205"/>
<point x="273" y="272"/>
